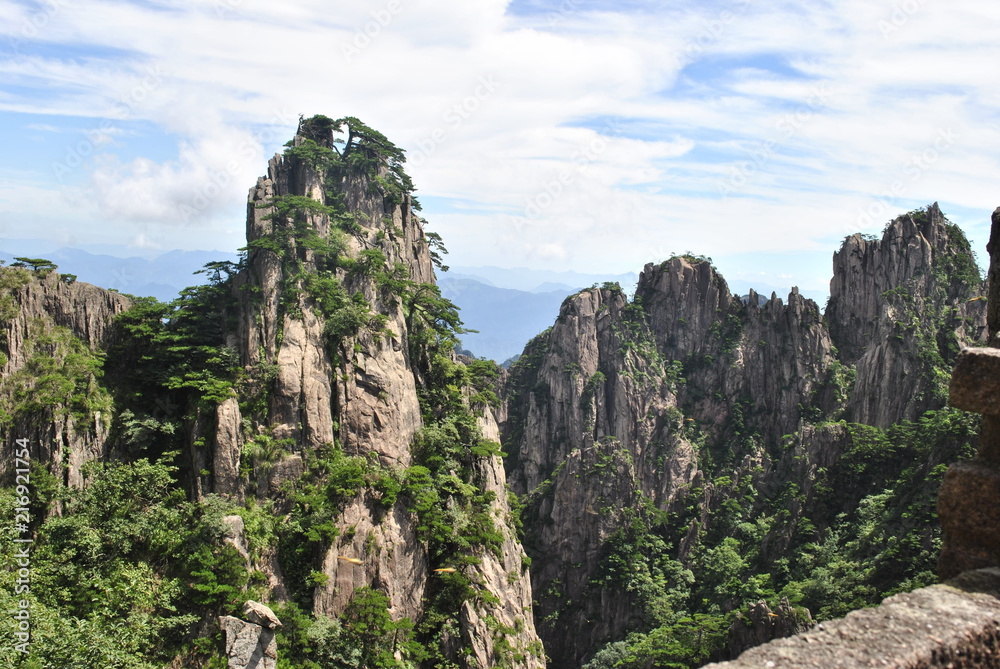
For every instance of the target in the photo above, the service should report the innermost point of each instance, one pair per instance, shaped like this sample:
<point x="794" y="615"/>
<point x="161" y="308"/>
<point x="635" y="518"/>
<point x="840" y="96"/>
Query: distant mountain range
<point x="161" y="276"/>
<point x="539" y="280"/>
<point x="510" y="306"/>
<point x="507" y="307"/>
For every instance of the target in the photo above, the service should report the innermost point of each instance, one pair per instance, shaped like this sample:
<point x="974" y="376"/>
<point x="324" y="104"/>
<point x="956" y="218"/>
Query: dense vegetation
<point x="844" y="551"/>
<point x="131" y="570"/>
<point x="769" y="519"/>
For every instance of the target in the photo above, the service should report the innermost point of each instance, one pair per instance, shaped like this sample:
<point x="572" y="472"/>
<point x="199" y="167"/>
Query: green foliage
<point x="12" y="280"/>
<point x="454" y="513"/>
<point x="364" y="636"/>
<point x="174" y="351"/>
<point x="693" y="258"/>
<point x="367" y="151"/>
<point x="590" y="390"/>
<point x="690" y="641"/>
<point x="40" y="266"/>
<point x="128" y="571"/>
<point x="865" y="529"/>
<point x="728" y="332"/>
<point x="373" y="632"/>
<point x="482" y="376"/>
<point x="61" y="376"/>
<point x="437" y="250"/>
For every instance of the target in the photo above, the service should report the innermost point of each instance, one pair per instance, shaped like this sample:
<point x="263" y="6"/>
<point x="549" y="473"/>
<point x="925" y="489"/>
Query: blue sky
<point x="583" y="135"/>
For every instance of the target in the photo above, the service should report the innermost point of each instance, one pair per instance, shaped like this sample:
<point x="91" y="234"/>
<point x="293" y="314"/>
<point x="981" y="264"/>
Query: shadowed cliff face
<point x="742" y="361"/>
<point x="621" y="408"/>
<point x="52" y="333"/>
<point x="593" y="431"/>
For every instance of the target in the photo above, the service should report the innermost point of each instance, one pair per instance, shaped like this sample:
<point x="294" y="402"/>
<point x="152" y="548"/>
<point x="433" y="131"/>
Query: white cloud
<point x="744" y="113"/>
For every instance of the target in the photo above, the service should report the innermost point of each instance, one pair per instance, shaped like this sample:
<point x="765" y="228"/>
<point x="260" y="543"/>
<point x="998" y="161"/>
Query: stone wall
<point x="954" y="624"/>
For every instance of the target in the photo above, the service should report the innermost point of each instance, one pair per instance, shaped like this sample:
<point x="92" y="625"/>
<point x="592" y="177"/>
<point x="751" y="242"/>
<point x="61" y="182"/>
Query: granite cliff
<point x="698" y="415"/>
<point x="692" y="469"/>
<point x="53" y="331"/>
<point x="311" y="392"/>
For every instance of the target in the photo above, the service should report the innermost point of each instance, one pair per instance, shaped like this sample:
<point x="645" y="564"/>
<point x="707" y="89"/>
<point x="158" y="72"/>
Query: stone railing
<point x="954" y="624"/>
<point x="969" y="500"/>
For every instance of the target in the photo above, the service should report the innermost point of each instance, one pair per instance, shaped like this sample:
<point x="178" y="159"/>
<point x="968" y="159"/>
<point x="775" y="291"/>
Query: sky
<point x="584" y="135"/>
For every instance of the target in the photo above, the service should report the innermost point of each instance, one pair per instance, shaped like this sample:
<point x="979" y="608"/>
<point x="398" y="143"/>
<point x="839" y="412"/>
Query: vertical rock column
<point x="969" y="500"/>
<point x="250" y="644"/>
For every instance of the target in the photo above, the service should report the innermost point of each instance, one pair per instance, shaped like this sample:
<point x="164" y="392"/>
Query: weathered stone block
<point x="249" y="645"/>
<point x="260" y="614"/>
<point x="970" y="518"/>
<point x="975" y="381"/>
<point x="955" y="624"/>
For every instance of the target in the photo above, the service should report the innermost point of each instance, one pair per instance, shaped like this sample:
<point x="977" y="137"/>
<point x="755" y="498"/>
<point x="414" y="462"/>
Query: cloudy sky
<point x="592" y="135"/>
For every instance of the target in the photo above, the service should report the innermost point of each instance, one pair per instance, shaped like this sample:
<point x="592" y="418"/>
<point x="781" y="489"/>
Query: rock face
<point x="914" y="289"/>
<point x="736" y="356"/>
<point x="592" y="430"/>
<point x="761" y="625"/>
<point x="625" y="406"/>
<point x="259" y="614"/>
<point x="370" y="398"/>
<point x="251" y="645"/>
<point x="341" y="334"/>
<point x="595" y="427"/>
<point x="50" y="324"/>
<point x="357" y="389"/>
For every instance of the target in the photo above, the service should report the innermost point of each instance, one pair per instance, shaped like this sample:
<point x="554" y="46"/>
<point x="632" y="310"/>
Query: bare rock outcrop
<point x="250" y="643"/>
<point x="738" y="357"/>
<point x="916" y="289"/>
<point x="324" y="329"/>
<point x="593" y="432"/>
<point x="48" y="325"/>
<point x="621" y="404"/>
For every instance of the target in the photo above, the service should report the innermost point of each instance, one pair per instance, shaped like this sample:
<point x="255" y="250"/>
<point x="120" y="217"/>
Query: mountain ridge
<point x="299" y="430"/>
<point x="687" y="400"/>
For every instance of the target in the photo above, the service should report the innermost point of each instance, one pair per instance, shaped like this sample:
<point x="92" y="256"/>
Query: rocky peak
<point x="685" y="298"/>
<point x="593" y="434"/>
<point x="738" y="356"/>
<point x="337" y="309"/>
<point x="689" y="394"/>
<point x="919" y="254"/>
<point x="916" y="289"/>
